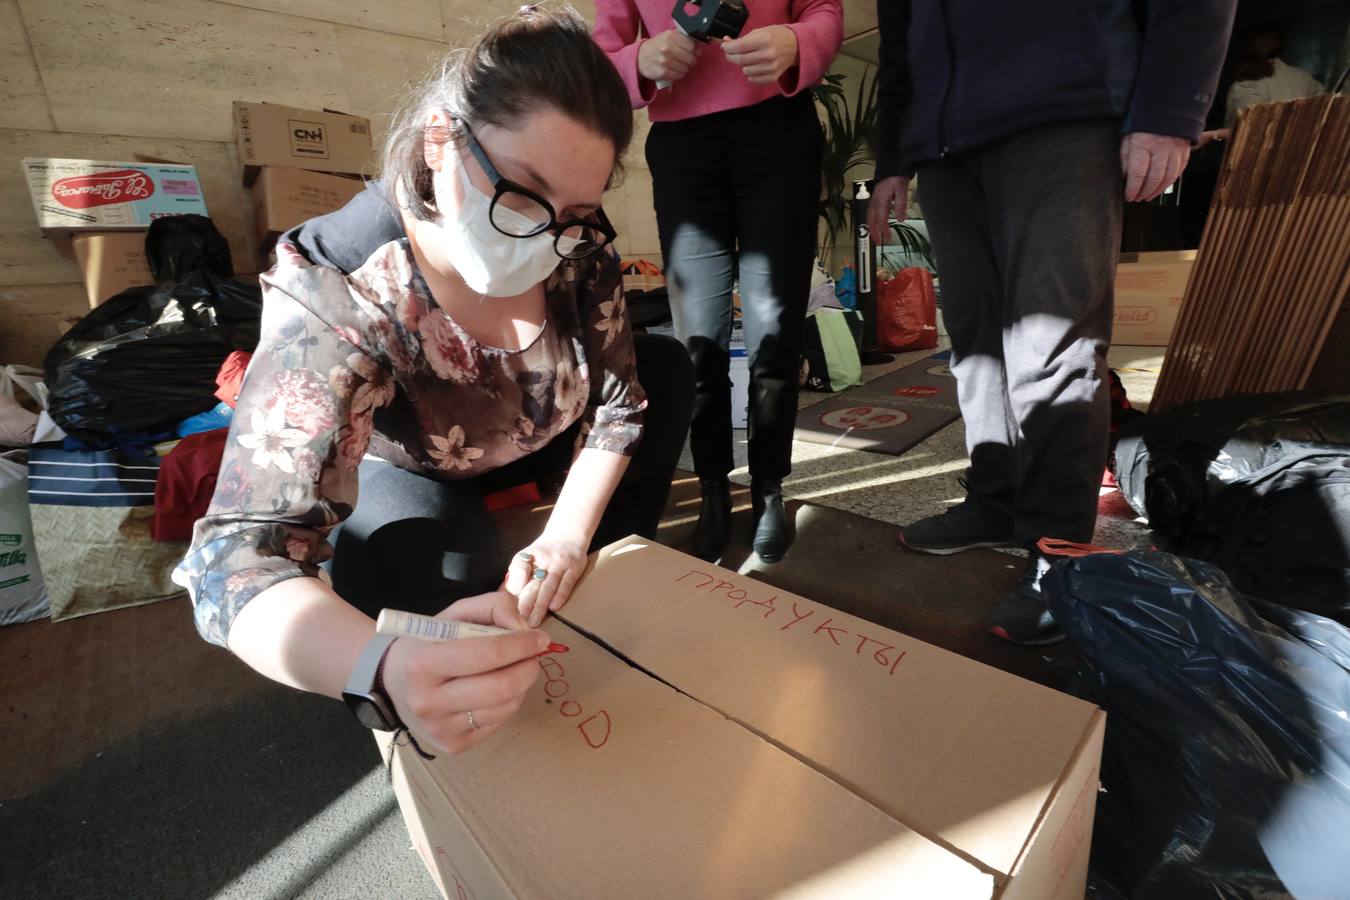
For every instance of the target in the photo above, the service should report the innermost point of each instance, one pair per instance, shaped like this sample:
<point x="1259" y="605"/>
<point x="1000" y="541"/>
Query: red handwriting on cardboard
<point x="461" y="892"/>
<point x="594" y="729"/>
<point x="1064" y="851"/>
<point x="825" y="627"/>
<point x="888" y="656"/>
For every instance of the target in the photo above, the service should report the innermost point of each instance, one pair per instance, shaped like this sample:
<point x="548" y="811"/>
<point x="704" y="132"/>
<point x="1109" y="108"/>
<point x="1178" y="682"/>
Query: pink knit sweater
<point x="715" y="83"/>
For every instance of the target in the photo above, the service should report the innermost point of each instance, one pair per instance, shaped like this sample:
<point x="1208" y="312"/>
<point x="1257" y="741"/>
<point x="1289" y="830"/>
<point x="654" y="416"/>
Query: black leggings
<point x="419" y="544"/>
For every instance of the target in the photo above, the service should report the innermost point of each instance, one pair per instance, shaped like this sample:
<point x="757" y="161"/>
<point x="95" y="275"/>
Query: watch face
<point x="367" y="712"/>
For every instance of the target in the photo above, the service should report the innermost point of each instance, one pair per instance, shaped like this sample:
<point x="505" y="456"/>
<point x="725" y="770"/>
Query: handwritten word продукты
<point x="888" y="656"/>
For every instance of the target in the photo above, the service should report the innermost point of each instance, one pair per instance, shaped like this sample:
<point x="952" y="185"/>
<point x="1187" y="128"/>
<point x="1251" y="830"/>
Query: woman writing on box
<point x="456" y="329"/>
<point x="734" y="151"/>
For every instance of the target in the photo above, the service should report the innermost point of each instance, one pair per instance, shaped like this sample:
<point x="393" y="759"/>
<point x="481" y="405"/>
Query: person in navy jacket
<point x="1028" y="125"/>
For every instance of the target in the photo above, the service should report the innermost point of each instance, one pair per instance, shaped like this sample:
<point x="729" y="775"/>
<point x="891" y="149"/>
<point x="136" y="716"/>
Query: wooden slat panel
<point x="415" y="18"/>
<point x="23" y="104"/>
<point x="33" y="319"/>
<point x="464" y="20"/>
<point x="642" y="232"/>
<point x="636" y="159"/>
<point x="160" y="69"/>
<point x="587" y="9"/>
<point x="629" y="207"/>
<point x="616" y="206"/>
<point x="859" y="16"/>
<point x="28" y="258"/>
<point x="1274" y="264"/>
<point x="379" y="70"/>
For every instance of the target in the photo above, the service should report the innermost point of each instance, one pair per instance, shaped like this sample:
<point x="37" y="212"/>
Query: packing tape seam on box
<point x="934" y="839"/>
<point x="1007" y="867"/>
<point x="412" y="767"/>
<point x="1032" y="851"/>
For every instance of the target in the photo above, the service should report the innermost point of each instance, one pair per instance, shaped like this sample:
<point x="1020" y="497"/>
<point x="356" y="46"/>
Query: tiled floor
<point x="925" y="480"/>
<point x="209" y="780"/>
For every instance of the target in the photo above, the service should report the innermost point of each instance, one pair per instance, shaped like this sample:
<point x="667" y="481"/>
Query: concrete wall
<point x="108" y="79"/>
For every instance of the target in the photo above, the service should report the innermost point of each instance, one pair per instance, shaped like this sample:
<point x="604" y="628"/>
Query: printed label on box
<point x="181" y="187"/>
<point x="89" y="195"/>
<point x="1136" y="315"/>
<point x="308" y="139"/>
<point x="102" y="188"/>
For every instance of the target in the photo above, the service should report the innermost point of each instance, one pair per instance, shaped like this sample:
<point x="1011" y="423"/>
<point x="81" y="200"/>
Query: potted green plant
<point x="849" y="132"/>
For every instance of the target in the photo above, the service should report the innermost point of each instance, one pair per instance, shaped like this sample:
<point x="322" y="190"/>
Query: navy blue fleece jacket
<point x="957" y="74"/>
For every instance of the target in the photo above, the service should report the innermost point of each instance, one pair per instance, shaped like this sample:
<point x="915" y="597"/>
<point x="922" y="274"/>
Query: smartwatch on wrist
<point x="365" y="695"/>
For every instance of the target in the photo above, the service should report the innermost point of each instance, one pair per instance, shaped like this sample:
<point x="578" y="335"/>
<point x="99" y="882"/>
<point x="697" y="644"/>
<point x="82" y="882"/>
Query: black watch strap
<point x="377" y="686"/>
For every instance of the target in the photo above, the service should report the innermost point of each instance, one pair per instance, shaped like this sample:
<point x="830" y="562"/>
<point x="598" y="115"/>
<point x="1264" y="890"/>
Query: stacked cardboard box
<point x="86" y="195"/>
<point x="284" y="198"/>
<point x="1149" y="288"/>
<point x="103" y="210"/>
<point x="710" y="736"/>
<point x="111" y="263"/>
<point x="300" y="163"/>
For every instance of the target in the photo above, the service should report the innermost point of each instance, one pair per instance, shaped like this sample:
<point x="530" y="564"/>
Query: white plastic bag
<point x="17" y="424"/>
<point x="22" y="594"/>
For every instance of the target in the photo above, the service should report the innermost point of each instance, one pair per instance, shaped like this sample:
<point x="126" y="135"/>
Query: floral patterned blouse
<point x="357" y="358"/>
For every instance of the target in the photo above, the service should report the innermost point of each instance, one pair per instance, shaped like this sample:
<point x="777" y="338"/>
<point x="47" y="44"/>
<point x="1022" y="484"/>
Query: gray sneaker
<point x="966" y="526"/>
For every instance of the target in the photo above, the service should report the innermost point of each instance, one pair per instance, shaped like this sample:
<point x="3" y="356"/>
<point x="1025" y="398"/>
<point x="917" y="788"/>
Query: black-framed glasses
<point x="518" y="212"/>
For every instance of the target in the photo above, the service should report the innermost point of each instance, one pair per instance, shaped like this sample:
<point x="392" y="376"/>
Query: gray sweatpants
<point x="1027" y="232"/>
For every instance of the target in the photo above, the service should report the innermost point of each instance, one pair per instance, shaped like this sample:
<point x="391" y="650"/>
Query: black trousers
<point x="737" y="193"/>
<point x="419" y="544"/>
<point x="1027" y="233"/>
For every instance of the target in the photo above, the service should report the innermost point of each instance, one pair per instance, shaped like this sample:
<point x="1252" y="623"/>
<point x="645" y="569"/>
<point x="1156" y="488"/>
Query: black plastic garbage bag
<point x="1226" y="769"/>
<point x="147" y="359"/>
<point x="1258" y="485"/>
<point x="1170" y="463"/>
<point x="1283" y="532"/>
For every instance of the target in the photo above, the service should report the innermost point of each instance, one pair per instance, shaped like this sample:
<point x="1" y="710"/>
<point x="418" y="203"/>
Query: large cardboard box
<point x="111" y="263"/>
<point x="1149" y="289"/>
<point x="92" y="195"/>
<point x="322" y="141"/>
<point x="710" y="736"/>
<point x="286" y="197"/>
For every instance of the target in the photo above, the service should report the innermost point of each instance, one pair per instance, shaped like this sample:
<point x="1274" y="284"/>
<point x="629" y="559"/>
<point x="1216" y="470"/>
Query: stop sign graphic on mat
<point x="864" y="418"/>
<point x="917" y="390"/>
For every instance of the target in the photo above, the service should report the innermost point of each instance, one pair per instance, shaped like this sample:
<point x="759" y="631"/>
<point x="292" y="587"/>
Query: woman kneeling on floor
<point x="456" y="329"/>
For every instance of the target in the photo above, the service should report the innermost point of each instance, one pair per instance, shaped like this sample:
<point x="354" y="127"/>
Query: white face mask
<point x="491" y="263"/>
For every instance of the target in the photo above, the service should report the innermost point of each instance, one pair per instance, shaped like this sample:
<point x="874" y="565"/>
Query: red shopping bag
<point x="907" y="311"/>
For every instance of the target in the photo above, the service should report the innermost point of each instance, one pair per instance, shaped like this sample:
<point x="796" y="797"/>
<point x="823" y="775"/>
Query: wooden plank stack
<point x="1273" y="268"/>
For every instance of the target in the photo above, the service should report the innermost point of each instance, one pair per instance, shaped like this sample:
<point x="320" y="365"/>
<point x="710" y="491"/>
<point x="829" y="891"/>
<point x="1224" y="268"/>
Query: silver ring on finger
<point x="472" y="724"/>
<point x="540" y="574"/>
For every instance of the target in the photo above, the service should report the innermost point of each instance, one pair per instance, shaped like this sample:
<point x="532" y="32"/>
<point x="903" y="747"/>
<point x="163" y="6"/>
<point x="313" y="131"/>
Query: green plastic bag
<point x="830" y="360"/>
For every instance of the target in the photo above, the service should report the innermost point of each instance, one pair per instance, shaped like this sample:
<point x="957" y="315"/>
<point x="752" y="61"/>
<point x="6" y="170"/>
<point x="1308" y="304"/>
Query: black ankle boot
<point x="773" y="531"/>
<point x="713" y="532"/>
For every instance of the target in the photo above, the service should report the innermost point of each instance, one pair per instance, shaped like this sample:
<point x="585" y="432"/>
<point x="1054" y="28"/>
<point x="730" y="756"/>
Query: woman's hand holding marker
<point x="455" y="694"/>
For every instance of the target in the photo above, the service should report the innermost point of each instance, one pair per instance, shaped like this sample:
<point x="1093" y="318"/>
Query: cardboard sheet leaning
<point x="711" y="736"/>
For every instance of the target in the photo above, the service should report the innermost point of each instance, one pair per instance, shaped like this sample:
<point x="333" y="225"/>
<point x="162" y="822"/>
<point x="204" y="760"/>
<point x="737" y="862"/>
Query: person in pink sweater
<point x="734" y="151"/>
